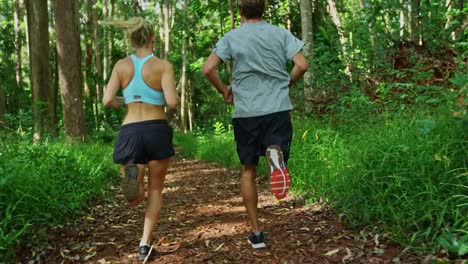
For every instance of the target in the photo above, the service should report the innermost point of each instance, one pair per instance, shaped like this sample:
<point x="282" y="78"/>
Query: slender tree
<point x="402" y="19"/>
<point x="337" y="21"/>
<point x="231" y="13"/>
<point x="135" y="7"/>
<point x="462" y="21"/>
<point x="2" y="109"/>
<point x="89" y="89"/>
<point x="307" y="37"/>
<point x="42" y="92"/>
<point x="18" y="43"/>
<point x="69" y="64"/>
<point x="183" y="78"/>
<point x="106" y="48"/>
<point x="53" y="43"/>
<point x="159" y="12"/>
<point x="415" y="20"/>
<point x="166" y="8"/>
<point x="98" y="77"/>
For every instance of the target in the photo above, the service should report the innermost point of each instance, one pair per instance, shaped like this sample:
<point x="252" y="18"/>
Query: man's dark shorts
<point x="141" y="142"/>
<point x="254" y="134"/>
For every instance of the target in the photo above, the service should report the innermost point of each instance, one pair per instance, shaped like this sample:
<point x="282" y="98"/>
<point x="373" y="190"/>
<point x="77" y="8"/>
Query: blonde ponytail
<point x="136" y="29"/>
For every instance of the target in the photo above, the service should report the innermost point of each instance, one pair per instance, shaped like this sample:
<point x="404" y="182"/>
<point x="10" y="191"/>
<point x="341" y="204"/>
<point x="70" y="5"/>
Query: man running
<point x="260" y="92"/>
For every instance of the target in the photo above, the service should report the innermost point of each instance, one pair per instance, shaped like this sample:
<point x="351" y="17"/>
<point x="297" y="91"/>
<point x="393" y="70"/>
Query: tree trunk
<point x="183" y="84"/>
<point x="191" y="88"/>
<point x="183" y="79"/>
<point x="55" y="81"/>
<point x="89" y="90"/>
<point x="171" y="114"/>
<point x="106" y="53"/>
<point x="339" y="28"/>
<point x="160" y="43"/>
<point x="415" y="32"/>
<point x="231" y="14"/>
<point x="42" y="92"/>
<point x="135" y="7"/>
<point x="449" y="4"/>
<point x="190" y="104"/>
<point x="402" y="20"/>
<point x="18" y="44"/>
<point x="166" y="29"/>
<point x="2" y="109"/>
<point x="97" y="68"/>
<point x="268" y="12"/>
<point x="462" y="22"/>
<point x="69" y="64"/>
<point x="221" y="18"/>
<point x="318" y="13"/>
<point x="307" y="37"/>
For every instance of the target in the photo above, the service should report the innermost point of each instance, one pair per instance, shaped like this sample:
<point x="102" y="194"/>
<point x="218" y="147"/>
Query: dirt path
<point x="203" y="221"/>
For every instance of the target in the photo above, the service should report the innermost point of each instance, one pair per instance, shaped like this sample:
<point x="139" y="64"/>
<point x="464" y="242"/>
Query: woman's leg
<point x="157" y="173"/>
<point x="141" y="186"/>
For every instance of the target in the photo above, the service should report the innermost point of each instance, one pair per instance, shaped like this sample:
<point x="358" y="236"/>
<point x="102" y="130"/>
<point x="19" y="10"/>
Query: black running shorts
<point x="141" y="142"/>
<point x="254" y="134"/>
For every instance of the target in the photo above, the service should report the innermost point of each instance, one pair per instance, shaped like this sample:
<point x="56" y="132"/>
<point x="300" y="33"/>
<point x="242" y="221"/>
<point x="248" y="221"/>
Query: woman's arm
<point x="110" y="99"/>
<point x="169" y="87"/>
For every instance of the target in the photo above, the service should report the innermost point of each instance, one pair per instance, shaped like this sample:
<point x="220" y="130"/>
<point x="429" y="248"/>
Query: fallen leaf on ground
<point x="348" y="255"/>
<point x="87" y="257"/>
<point x="332" y="252"/>
<point x="219" y="247"/>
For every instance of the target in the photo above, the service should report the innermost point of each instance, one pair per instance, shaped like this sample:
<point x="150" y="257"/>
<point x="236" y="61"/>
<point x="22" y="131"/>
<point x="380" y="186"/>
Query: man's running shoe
<point x="255" y="241"/>
<point x="279" y="174"/>
<point x="146" y="253"/>
<point x="130" y="185"/>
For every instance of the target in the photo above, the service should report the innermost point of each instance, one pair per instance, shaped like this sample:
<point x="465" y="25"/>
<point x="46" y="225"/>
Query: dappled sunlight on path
<point x="203" y="221"/>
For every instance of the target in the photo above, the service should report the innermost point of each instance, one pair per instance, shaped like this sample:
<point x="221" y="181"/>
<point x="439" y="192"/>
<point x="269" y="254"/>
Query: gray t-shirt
<point x="260" y="52"/>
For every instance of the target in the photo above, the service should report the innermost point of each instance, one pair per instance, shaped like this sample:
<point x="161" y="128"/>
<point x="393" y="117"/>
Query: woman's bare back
<point x="155" y="72"/>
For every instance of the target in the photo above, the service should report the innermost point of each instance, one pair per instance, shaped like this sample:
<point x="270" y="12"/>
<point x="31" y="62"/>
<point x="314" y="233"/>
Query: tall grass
<point x="404" y="174"/>
<point x="47" y="183"/>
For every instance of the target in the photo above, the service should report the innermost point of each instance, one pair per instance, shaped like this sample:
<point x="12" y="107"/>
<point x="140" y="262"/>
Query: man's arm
<point x="210" y="70"/>
<point x="299" y="68"/>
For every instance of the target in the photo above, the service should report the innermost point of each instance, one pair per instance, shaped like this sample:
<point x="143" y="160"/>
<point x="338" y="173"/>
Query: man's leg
<point x="250" y="197"/>
<point x="249" y="194"/>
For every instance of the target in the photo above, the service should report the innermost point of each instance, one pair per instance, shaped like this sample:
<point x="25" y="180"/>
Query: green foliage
<point x="404" y="173"/>
<point x="214" y="146"/>
<point x="46" y="184"/>
<point x="397" y="172"/>
<point x="453" y="245"/>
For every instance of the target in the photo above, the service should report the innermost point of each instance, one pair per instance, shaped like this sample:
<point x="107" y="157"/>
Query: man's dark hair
<point x="251" y="8"/>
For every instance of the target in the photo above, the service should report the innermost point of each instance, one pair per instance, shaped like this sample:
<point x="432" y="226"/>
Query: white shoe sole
<point x="256" y="246"/>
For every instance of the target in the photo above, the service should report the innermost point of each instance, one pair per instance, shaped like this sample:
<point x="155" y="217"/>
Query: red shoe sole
<point x="280" y="182"/>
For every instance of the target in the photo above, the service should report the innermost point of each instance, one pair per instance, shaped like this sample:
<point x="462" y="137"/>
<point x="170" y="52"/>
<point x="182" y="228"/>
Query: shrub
<point x="47" y="183"/>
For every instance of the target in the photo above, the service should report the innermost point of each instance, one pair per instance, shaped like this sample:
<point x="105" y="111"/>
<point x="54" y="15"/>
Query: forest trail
<point x="203" y="221"/>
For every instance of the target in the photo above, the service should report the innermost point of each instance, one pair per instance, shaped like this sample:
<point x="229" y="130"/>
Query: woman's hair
<point x="251" y="8"/>
<point x="136" y="29"/>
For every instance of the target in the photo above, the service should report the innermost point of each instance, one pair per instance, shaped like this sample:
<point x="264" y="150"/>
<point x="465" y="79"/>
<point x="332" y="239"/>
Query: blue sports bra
<point x="137" y="90"/>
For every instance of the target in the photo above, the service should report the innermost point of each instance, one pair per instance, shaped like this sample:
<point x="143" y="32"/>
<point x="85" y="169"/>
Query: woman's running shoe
<point x="130" y="186"/>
